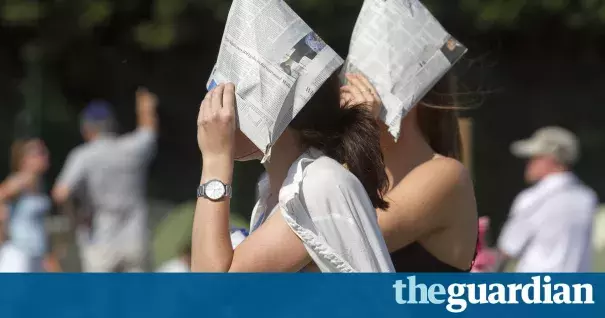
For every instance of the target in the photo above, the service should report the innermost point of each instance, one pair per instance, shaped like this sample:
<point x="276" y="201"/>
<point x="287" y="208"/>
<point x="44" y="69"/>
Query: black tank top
<point x="414" y="258"/>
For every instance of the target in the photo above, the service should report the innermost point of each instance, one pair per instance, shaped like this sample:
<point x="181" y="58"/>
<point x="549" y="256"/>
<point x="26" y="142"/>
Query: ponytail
<point x="347" y="135"/>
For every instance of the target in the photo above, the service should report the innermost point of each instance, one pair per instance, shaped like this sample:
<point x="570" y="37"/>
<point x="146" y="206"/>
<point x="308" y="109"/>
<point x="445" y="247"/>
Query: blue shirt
<point x="26" y="226"/>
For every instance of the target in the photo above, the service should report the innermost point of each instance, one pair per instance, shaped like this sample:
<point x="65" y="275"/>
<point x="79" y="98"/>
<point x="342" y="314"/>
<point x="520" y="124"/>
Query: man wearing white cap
<point x="549" y="228"/>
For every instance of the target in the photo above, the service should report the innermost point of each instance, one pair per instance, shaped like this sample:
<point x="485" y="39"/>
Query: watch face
<point x="214" y="190"/>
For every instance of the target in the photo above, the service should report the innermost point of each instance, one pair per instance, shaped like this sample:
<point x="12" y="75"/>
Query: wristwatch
<point x="214" y="190"/>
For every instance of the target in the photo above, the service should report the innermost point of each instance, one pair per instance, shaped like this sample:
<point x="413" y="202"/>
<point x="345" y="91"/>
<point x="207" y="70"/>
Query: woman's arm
<point x="3" y="220"/>
<point x="14" y="185"/>
<point x="273" y="247"/>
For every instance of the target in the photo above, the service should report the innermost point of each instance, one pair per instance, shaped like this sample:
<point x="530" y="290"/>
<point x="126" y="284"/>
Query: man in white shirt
<point x="108" y="174"/>
<point x="549" y="228"/>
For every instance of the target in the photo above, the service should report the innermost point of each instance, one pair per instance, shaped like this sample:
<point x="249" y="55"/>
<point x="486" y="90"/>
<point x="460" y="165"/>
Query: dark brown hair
<point x="438" y="120"/>
<point x="347" y="135"/>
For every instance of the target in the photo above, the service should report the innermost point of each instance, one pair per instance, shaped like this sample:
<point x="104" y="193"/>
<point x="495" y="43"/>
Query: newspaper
<point x="276" y="62"/>
<point x="404" y="51"/>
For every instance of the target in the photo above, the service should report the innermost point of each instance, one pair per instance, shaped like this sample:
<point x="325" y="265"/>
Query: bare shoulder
<point x="451" y="173"/>
<point x="440" y="172"/>
<point x="442" y="184"/>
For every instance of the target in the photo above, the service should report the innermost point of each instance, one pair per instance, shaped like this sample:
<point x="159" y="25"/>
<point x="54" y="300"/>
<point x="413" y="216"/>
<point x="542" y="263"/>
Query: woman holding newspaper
<point x="431" y="224"/>
<point x="313" y="214"/>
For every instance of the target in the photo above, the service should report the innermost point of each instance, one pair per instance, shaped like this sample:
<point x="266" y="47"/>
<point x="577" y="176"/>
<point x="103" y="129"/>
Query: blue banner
<point x="301" y="295"/>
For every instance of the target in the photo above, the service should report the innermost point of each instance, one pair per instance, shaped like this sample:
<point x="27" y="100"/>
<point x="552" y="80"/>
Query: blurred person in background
<point x="431" y="222"/>
<point x="179" y="264"/>
<point x="486" y="259"/>
<point x="27" y="206"/>
<point x="549" y="228"/>
<point x="108" y="174"/>
<point x="3" y="219"/>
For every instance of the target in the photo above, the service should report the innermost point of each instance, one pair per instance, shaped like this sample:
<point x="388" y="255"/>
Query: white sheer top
<point x="330" y="211"/>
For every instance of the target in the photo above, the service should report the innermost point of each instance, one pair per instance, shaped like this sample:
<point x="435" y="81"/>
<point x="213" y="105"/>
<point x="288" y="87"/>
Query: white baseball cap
<point x="555" y="141"/>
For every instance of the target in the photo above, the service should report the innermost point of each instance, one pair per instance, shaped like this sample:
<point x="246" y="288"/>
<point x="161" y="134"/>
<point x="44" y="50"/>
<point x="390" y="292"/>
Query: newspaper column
<point x="403" y="51"/>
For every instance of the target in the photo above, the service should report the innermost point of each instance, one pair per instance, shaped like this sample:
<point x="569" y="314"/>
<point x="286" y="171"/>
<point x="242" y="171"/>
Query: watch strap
<point x="228" y="190"/>
<point x="200" y="191"/>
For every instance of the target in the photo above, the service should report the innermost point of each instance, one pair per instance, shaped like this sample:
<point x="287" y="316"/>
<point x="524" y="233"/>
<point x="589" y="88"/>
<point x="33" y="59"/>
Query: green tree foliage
<point x="577" y="14"/>
<point x="157" y="24"/>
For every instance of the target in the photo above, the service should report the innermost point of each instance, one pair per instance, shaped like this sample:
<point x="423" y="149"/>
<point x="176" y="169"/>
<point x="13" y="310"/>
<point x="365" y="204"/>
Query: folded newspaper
<point x="276" y="62"/>
<point x="404" y="51"/>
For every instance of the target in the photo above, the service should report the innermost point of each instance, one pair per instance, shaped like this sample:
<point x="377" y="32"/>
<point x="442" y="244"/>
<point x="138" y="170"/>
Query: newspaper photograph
<point x="403" y="51"/>
<point x="276" y="62"/>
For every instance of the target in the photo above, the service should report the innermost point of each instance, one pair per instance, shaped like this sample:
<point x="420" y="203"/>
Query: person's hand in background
<point x="146" y="106"/>
<point x="360" y="92"/>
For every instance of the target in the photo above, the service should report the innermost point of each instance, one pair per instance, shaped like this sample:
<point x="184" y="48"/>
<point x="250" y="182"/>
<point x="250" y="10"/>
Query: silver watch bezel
<point x="202" y="193"/>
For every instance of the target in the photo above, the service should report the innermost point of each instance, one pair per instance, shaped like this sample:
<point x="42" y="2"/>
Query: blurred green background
<point x="531" y="64"/>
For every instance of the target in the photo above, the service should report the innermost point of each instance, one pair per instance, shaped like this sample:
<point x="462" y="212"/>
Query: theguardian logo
<point x="458" y="296"/>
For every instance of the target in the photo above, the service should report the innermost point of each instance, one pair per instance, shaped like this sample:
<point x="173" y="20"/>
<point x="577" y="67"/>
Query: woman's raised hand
<point x="216" y="126"/>
<point x="360" y="92"/>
